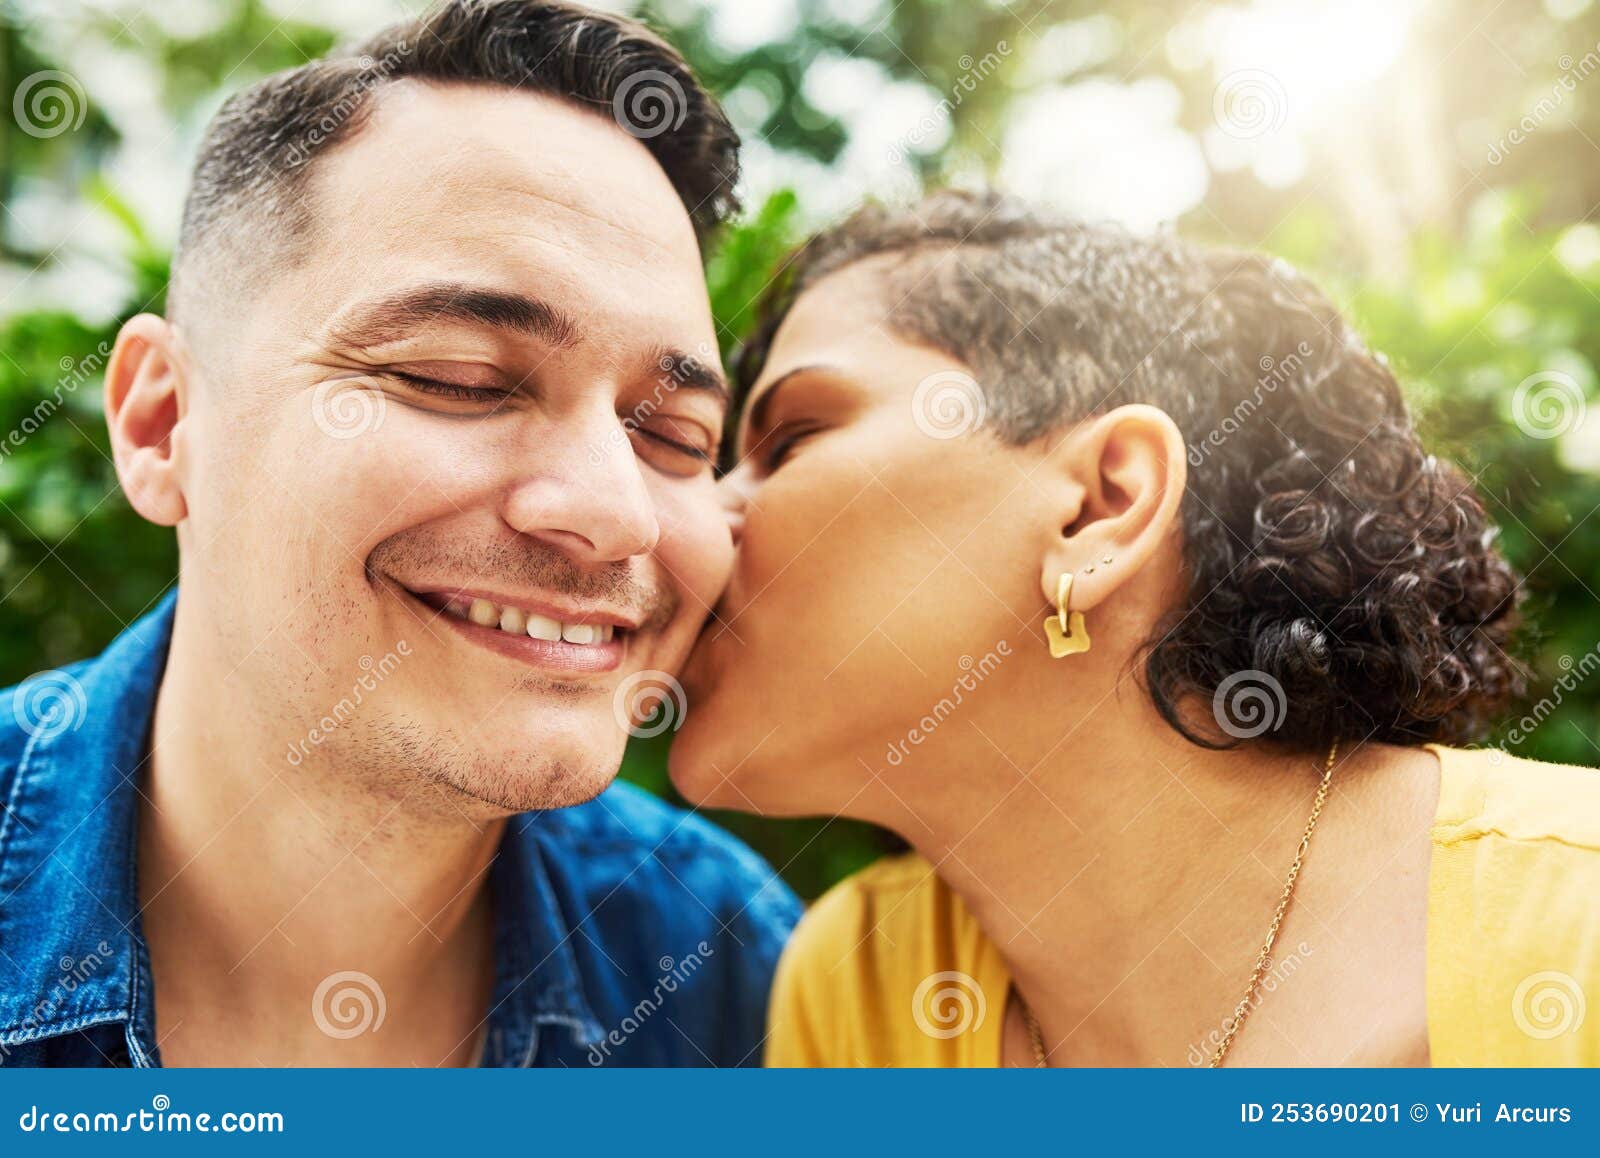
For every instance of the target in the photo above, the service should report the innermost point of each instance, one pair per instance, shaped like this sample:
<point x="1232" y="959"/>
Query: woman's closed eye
<point x="781" y="442"/>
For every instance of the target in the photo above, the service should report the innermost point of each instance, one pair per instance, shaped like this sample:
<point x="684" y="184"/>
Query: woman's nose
<point x="735" y="490"/>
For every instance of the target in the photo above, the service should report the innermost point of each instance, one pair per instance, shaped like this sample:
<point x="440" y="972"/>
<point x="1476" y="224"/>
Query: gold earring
<point x="1065" y="629"/>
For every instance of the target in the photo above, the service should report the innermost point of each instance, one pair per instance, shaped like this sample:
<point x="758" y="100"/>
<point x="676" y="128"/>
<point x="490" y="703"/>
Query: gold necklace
<point x="1041" y="1056"/>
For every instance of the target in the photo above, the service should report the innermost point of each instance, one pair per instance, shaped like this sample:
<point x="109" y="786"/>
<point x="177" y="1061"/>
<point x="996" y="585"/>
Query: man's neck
<point x="260" y="880"/>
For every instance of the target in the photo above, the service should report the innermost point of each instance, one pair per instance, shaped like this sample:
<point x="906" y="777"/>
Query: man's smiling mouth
<point x="564" y="638"/>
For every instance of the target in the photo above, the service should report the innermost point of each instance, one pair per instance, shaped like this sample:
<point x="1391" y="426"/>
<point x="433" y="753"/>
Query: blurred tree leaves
<point x="746" y="261"/>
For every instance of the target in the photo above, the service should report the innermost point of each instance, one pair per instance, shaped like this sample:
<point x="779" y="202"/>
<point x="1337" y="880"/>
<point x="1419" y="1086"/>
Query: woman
<point x="1109" y="573"/>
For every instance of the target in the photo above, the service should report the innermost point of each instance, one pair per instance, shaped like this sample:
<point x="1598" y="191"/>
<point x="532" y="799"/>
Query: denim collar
<point x="69" y="912"/>
<point x="537" y="979"/>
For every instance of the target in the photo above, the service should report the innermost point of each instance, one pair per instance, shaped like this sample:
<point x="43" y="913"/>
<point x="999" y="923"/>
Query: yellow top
<point x="890" y="969"/>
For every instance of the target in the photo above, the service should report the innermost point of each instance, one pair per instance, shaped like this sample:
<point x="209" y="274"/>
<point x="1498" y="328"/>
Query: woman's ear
<point x="1127" y="470"/>
<point x="146" y="396"/>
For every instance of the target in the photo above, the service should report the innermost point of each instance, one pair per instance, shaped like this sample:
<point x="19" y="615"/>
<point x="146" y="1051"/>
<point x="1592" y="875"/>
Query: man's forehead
<point x="455" y="183"/>
<point x="486" y="165"/>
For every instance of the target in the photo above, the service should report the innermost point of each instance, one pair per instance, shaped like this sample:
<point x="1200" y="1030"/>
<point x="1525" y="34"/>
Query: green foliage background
<point x="1470" y="275"/>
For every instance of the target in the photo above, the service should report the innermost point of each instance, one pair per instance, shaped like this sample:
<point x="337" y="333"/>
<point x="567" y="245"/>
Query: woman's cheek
<point x="781" y="525"/>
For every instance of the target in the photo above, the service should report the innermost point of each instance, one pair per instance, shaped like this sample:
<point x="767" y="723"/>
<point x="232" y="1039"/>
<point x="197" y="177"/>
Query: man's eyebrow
<point x="675" y="368"/>
<point x="394" y="317"/>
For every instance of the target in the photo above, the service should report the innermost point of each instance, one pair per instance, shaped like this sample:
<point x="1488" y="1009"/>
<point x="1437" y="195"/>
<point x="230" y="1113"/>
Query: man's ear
<point x="1125" y="472"/>
<point x="146" y="396"/>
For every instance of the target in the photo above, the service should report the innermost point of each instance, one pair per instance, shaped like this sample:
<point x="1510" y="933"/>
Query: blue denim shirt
<point x="627" y="932"/>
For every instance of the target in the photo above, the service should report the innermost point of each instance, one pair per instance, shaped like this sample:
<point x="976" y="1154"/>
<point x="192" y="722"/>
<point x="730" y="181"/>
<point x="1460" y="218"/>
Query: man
<point x="432" y="411"/>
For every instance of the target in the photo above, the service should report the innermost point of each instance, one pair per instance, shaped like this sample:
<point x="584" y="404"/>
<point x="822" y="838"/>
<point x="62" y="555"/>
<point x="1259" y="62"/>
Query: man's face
<point x="478" y="417"/>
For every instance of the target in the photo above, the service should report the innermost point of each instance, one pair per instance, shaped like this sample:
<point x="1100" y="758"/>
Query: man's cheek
<point x="408" y="471"/>
<point x="695" y="556"/>
<point x="696" y="550"/>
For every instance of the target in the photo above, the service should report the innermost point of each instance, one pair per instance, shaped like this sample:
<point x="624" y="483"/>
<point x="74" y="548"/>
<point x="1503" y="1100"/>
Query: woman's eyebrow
<point x="755" y="416"/>
<point x="376" y="323"/>
<point x="757" y="413"/>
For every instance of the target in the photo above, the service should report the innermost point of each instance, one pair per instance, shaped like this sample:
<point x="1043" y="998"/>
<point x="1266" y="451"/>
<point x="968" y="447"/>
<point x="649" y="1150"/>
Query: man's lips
<point x="590" y="640"/>
<point x="561" y="610"/>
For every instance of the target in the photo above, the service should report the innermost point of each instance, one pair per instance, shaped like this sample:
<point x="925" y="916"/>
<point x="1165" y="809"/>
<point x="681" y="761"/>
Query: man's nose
<point x="585" y="492"/>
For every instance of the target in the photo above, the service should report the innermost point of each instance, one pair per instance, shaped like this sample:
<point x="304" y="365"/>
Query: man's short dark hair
<point x="254" y="163"/>
<point x="1328" y="556"/>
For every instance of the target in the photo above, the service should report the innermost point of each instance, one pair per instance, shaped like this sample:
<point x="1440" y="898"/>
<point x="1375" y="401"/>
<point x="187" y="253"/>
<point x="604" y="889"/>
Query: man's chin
<point x="499" y="789"/>
<point x="506" y="765"/>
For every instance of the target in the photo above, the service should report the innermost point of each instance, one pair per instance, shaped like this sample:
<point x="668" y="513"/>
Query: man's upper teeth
<point x="520" y="622"/>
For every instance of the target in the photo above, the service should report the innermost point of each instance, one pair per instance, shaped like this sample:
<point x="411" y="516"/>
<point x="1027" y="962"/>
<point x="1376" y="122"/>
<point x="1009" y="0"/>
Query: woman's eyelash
<point x="450" y="389"/>
<point x="780" y="442"/>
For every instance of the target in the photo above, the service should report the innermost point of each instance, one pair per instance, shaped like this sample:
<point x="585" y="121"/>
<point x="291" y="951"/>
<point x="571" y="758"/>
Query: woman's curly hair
<point x="1342" y="583"/>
